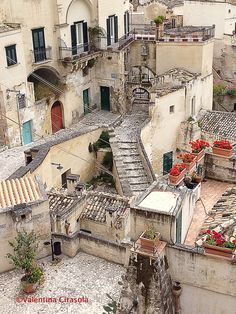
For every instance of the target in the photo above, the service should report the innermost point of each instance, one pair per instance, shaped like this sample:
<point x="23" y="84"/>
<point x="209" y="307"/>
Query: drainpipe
<point x="177" y="290"/>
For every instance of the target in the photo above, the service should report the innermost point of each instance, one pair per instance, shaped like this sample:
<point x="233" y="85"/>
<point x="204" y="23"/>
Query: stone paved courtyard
<point x="83" y="275"/>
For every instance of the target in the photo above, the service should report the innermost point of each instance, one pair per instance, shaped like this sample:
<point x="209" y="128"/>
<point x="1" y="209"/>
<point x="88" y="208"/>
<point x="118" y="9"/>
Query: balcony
<point x="68" y="54"/>
<point x="188" y="34"/>
<point x="41" y="55"/>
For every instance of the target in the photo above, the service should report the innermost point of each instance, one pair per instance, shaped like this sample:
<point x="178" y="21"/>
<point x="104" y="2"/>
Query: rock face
<point x="147" y="287"/>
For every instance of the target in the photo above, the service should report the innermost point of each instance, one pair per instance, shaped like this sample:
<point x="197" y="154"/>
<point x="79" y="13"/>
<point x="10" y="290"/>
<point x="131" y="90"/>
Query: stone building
<point x="43" y="96"/>
<point x="24" y="205"/>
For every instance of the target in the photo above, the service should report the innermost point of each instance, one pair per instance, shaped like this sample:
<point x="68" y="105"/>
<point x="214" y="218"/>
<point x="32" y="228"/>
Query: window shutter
<point x="73" y="39"/>
<point x="125" y="26"/>
<point x="108" y="33"/>
<point x="116" y="29"/>
<point x="85" y="35"/>
<point x="127" y="22"/>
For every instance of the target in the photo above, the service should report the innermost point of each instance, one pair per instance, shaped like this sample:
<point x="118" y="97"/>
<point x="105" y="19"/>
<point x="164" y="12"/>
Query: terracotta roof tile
<point x="19" y="191"/>
<point x="98" y="203"/>
<point x="222" y="217"/>
<point x="219" y="123"/>
<point x="60" y="203"/>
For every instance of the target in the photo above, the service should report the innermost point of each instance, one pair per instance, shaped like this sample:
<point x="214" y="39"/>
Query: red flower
<point x="198" y="145"/>
<point x="223" y="144"/>
<point x="234" y="241"/>
<point x="209" y="231"/>
<point x="177" y="169"/>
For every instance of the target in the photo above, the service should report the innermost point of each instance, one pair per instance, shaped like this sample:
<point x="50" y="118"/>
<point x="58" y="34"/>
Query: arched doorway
<point x="140" y="94"/>
<point x="57" y="117"/>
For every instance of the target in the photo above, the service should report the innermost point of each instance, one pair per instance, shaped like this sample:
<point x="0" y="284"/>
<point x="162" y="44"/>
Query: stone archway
<point x="141" y="94"/>
<point x="57" y="116"/>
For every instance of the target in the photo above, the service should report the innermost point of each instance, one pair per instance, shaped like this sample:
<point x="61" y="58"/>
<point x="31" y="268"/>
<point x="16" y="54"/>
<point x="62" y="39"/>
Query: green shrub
<point x="218" y="89"/>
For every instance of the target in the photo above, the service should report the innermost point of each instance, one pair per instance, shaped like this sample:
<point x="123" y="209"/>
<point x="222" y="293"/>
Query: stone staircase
<point x="124" y="143"/>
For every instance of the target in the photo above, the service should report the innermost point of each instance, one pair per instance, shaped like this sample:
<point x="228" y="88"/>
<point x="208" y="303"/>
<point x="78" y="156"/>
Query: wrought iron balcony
<point x="69" y="53"/>
<point x="41" y="54"/>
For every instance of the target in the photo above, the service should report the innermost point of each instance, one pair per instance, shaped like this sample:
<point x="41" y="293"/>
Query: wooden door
<point x="86" y="100"/>
<point x="26" y="132"/>
<point x="56" y="117"/>
<point x="167" y="162"/>
<point x="39" y="44"/>
<point x="105" y="98"/>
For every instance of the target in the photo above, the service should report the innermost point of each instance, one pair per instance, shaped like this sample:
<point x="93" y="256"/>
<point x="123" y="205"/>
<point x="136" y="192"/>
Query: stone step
<point x="134" y="167"/>
<point x="133" y="160"/>
<point x="126" y="153"/>
<point x="132" y="173"/>
<point x="140" y="180"/>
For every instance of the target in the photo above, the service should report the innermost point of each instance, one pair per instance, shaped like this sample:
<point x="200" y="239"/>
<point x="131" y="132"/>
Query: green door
<point x="179" y="227"/>
<point x="105" y="98"/>
<point x="86" y="100"/>
<point x="26" y="132"/>
<point x="167" y="162"/>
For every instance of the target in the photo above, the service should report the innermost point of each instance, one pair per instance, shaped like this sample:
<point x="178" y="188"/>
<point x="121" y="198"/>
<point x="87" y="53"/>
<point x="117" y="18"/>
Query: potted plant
<point x="196" y="178"/>
<point x="214" y="243"/>
<point x="24" y="258"/>
<point x="159" y="26"/>
<point x="159" y="20"/>
<point x="222" y="148"/>
<point x="189" y="160"/>
<point x="198" y="147"/>
<point x="149" y="239"/>
<point x="95" y="33"/>
<point x="177" y="173"/>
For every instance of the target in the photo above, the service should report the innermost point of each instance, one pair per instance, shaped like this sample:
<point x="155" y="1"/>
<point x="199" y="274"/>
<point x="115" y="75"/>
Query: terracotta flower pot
<point x="200" y="154"/>
<point x="147" y="244"/>
<point x="190" y="165"/>
<point x="177" y="179"/>
<point x="217" y="250"/>
<point x="28" y="287"/>
<point x="222" y="152"/>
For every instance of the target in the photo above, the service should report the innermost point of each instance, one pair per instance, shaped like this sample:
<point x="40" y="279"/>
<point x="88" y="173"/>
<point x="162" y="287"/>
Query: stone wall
<point x="37" y="219"/>
<point x="148" y="282"/>
<point x="93" y="245"/>
<point x="220" y="168"/>
<point x="208" y="282"/>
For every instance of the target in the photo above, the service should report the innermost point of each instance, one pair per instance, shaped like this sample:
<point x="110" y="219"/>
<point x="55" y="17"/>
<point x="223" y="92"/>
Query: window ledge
<point x="42" y="62"/>
<point x="12" y="66"/>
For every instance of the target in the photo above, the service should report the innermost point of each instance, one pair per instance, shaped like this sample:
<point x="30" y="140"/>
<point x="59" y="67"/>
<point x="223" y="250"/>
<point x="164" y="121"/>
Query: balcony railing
<point x="41" y="54"/>
<point x="83" y="49"/>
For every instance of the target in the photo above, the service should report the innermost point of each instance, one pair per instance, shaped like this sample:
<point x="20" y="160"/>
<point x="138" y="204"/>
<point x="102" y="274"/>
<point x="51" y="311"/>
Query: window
<point x="234" y="106"/>
<point x="79" y="37"/>
<point x="172" y="109"/>
<point x="11" y="55"/>
<point x="39" y="45"/>
<point x="21" y="101"/>
<point x="193" y="106"/>
<point x="112" y="30"/>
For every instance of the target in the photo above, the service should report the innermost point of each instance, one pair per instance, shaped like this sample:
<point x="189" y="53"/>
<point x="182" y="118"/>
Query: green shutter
<point x="73" y="39"/>
<point x="116" y="29"/>
<point x="108" y="33"/>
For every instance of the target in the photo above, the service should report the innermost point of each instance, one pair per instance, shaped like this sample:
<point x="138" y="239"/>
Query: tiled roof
<point x="60" y="204"/>
<point x="98" y="203"/>
<point x="19" y="191"/>
<point x="222" y="217"/>
<point x="220" y="123"/>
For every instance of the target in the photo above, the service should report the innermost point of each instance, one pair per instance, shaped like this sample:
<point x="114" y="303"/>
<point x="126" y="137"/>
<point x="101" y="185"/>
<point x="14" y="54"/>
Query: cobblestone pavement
<point x="211" y="191"/>
<point x="83" y="275"/>
<point x="12" y="159"/>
